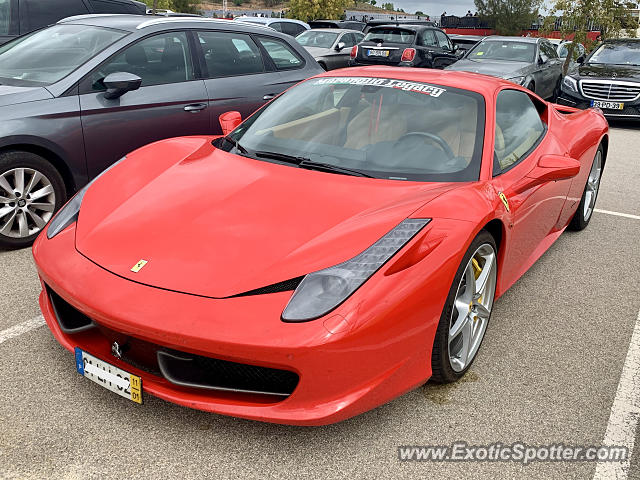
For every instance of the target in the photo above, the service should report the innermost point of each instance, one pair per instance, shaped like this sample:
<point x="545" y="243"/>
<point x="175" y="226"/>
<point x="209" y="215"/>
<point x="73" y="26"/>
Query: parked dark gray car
<point x="19" y="17"/>
<point x="532" y="62"/>
<point x="331" y="47"/>
<point x="79" y="95"/>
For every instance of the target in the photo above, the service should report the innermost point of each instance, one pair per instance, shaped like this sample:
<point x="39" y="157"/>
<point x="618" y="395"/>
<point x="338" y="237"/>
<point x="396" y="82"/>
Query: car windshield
<point x="314" y="38"/>
<point x="503" y="50"/>
<point x="390" y="35"/>
<point x="385" y="128"/>
<point x="617" y="54"/>
<point x="48" y="55"/>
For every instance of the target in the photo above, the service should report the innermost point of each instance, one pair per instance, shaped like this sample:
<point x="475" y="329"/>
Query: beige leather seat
<point x="361" y="131"/>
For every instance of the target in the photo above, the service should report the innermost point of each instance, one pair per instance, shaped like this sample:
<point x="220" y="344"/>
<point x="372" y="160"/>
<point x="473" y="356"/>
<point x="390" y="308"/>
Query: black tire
<point x="579" y="222"/>
<point x="441" y="370"/>
<point x="13" y="159"/>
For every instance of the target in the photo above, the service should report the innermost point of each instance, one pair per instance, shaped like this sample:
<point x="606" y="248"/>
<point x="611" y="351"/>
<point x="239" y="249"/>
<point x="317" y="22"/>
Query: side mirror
<point x="229" y="121"/>
<point x="460" y="53"/>
<point x="340" y="46"/>
<point x="119" y="83"/>
<point x="580" y="59"/>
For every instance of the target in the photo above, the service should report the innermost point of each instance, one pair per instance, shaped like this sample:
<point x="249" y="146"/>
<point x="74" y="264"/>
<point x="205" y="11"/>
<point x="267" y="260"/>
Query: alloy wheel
<point x="472" y="307"/>
<point x="593" y="184"/>
<point x="27" y="202"/>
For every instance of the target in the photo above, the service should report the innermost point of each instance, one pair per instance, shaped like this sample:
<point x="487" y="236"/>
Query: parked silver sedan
<point x="531" y="62"/>
<point x="330" y="46"/>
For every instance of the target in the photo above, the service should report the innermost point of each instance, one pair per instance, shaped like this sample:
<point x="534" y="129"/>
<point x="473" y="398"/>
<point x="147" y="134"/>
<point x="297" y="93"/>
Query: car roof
<point x="334" y="30"/>
<point x="513" y="39"/>
<point x="268" y="20"/>
<point x="472" y="82"/>
<point x="134" y="23"/>
<point x="405" y="26"/>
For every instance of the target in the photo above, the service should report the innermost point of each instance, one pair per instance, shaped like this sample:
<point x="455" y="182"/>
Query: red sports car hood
<point x="217" y="224"/>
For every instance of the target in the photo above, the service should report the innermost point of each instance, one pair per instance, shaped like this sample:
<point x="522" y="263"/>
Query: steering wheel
<point x="432" y="138"/>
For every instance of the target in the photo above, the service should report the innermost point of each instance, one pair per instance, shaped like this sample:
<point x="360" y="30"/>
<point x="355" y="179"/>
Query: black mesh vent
<point x="205" y="372"/>
<point x="286" y="286"/>
<point x="69" y="319"/>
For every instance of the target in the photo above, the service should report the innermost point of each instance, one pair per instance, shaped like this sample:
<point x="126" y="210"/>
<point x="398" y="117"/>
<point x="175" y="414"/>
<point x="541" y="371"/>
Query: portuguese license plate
<point x="378" y="53"/>
<point x="112" y="378"/>
<point x="607" y="105"/>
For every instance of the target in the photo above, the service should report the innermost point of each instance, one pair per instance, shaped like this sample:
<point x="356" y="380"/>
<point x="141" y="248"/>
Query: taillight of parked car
<point x="408" y="55"/>
<point x="354" y="51"/>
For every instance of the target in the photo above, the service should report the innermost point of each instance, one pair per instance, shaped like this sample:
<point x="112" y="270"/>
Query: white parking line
<point x="618" y="214"/>
<point x="623" y="421"/>
<point x="21" y="328"/>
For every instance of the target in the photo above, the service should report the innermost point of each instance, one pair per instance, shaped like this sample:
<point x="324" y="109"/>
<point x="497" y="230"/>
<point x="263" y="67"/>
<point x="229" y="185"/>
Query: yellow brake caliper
<point x="476" y="272"/>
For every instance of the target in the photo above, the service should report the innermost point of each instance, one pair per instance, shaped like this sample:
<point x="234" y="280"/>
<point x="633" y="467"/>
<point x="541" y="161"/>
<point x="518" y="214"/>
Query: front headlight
<point x="69" y="213"/>
<point x="322" y="291"/>
<point x="517" y="80"/>
<point x="570" y="84"/>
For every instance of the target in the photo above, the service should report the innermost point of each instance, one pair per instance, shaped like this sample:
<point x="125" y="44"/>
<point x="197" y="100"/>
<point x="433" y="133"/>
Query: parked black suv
<point x="18" y="17"/>
<point x="609" y="78"/>
<point x="405" y="46"/>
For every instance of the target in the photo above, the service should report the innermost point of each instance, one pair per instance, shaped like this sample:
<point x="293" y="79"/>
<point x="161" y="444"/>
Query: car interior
<point x="387" y="130"/>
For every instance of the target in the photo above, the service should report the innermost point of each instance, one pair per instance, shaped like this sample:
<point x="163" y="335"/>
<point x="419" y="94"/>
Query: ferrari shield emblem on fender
<point x="139" y="266"/>
<point x="504" y="201"/>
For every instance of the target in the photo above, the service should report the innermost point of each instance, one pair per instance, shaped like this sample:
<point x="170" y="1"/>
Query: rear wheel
<point x="466" y="312"/>
<point x="588" y="201"/>
<point x="31" y="190"/>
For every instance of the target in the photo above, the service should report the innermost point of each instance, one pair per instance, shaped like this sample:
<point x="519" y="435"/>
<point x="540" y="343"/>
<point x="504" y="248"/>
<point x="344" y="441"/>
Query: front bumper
<point x="346" y="365"/>
<point x="573" y="99"/>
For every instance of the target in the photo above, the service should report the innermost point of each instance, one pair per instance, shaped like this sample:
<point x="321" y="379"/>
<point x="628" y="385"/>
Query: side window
<point x="5" y="16"/>
<point x="40" y="14"/>
<point x="292" y="28"/>
<point x="518" y="128"/>
<point x="106" y="6"/>
<point x="160" y="59"/>
<point x="443" y="41"/>
<point x="548" y="50"/>
<point x="283" y="55"/>
<point x="359" y="37"/>
<point x="230" y="53"/>
<point x="428" y="39"/>
<point x="277" y="26"/>
<point x="348" y="39"/>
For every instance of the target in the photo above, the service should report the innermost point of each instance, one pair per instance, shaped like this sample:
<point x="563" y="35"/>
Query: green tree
<point x="508" y="17"/>
<point x="419" y="12"/>
<point x="312" y="9"/>
<point x="185" y="6"/>
<point x="388" y="6"/>
<point x="164" y="4"/>
<point x="612" y="17"/>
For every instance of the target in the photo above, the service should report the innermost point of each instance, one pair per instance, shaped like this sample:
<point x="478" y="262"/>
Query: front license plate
<point x="378" y="53"/>
<point x="607" y="105"/>
<point x="112" y="378"/>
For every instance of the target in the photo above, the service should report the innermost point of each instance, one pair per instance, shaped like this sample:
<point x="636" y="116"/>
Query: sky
<point x="452" y="7"/>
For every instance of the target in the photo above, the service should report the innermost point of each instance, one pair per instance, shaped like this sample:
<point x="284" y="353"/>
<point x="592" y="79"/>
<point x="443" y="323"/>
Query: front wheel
<point x="31" y="190"/>
<point x="588" y="201"/>
<point x="466" y="311"/>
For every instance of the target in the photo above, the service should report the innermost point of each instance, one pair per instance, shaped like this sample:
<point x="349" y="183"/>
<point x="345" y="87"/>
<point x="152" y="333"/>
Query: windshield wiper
<point x="304" y="162"/>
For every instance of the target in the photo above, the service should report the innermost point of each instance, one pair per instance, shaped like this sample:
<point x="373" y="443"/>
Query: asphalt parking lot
<point x="548" y="372"/>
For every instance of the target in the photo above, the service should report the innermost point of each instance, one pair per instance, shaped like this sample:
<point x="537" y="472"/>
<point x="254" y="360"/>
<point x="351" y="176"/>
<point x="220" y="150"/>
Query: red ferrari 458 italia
<point x="340" y="247"/>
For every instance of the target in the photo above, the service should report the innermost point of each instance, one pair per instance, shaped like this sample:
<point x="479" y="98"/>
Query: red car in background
<point x="340" y="247"/>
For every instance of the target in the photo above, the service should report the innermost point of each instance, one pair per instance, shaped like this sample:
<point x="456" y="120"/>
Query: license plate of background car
<point x="378" y="53"/>
<point x="112" y="378"/>
<point x="607" y="105"/>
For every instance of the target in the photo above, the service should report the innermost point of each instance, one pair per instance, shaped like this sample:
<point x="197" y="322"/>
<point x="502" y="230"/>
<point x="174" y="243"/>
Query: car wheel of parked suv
<point x="31" y="190"/>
